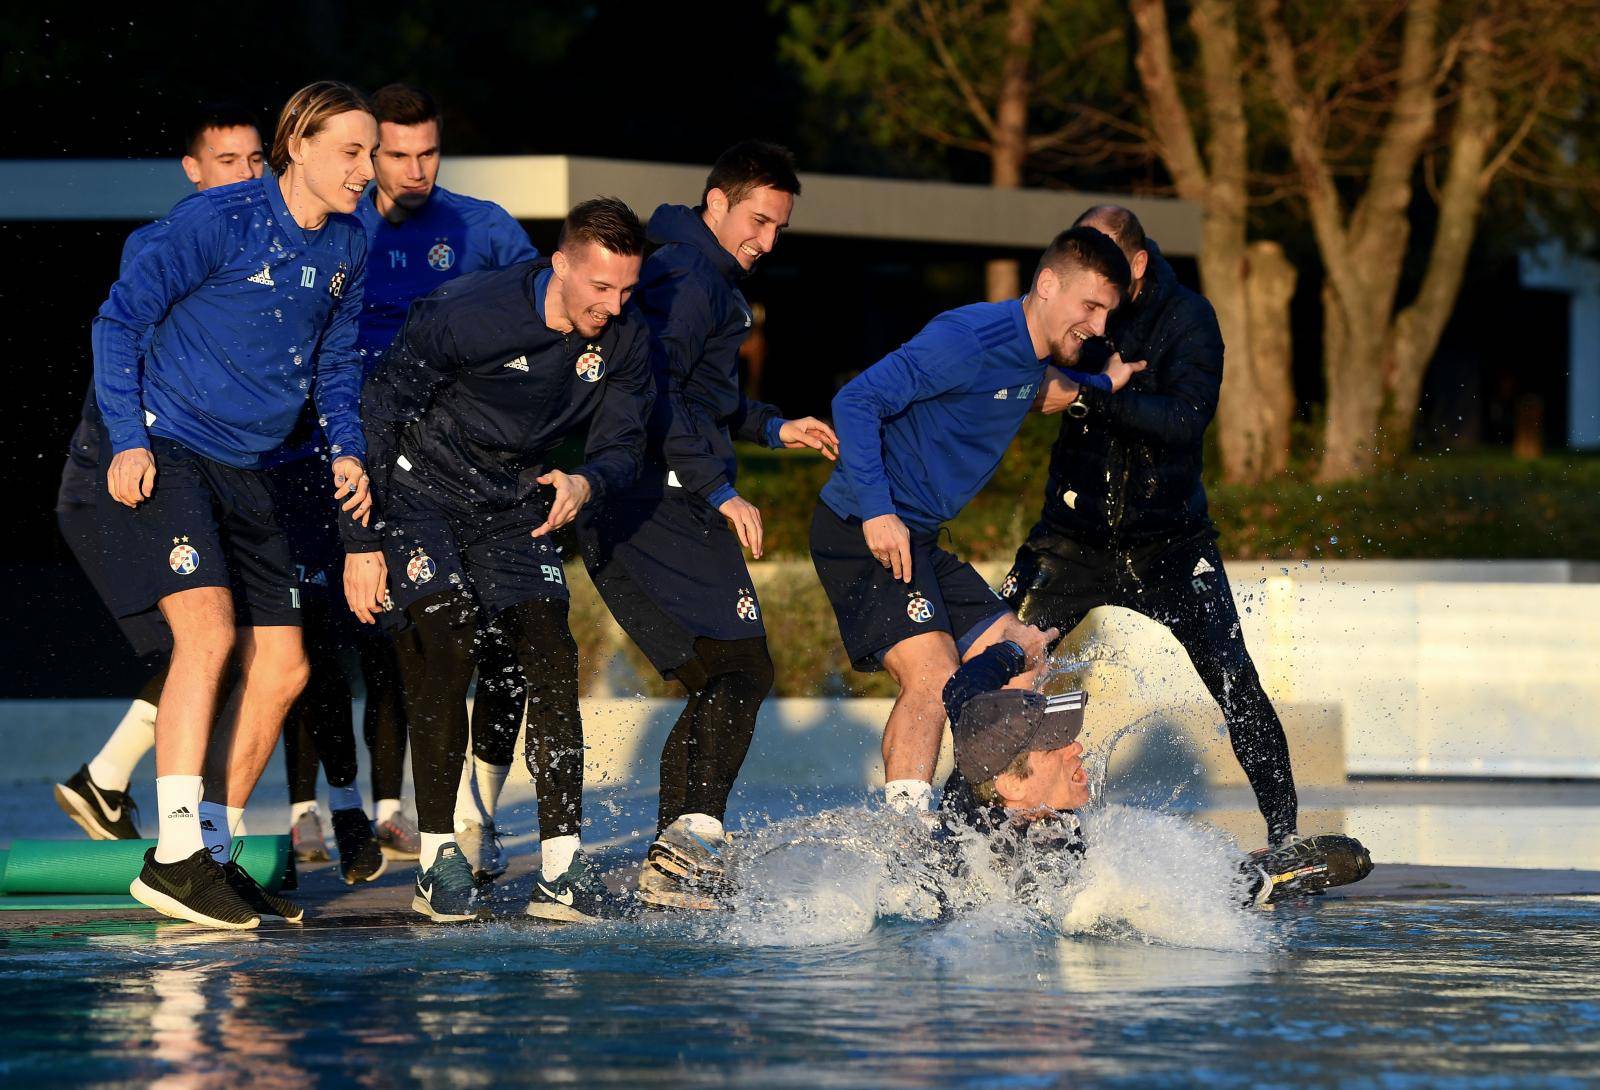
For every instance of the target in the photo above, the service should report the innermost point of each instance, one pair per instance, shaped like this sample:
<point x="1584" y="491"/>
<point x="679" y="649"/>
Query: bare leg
<point x="202" y="639"/>
<point x="920" y="665"/>
<point x="273" y="670"/>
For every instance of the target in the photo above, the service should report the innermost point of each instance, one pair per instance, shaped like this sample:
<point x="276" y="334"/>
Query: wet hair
<point x="1021" y="767"/>
<point x="216" y="115"/>
<point x="1118" y="222"/>
<point x="1086" y="248"/>
<point x="605" y="221"/>
<point x="403" y="104"/>
<point x="308" y="112"/>
<point x="749" y="165"/>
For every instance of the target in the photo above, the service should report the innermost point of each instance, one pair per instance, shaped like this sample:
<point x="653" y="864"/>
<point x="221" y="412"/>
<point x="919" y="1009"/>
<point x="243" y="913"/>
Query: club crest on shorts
<point x="183" y="559"/>
<point x="918" y="608"/>
<point x="441" y="257"/>
<point x="336" y="283"/>
<point x="747" y="609"/>
<point x="420" y="568"/>
<point x="590" y="366"/>
<point x="1008" y="586"/>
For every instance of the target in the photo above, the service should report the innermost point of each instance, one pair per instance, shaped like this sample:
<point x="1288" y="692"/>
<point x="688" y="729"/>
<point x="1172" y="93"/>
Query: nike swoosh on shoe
<point x="114" y="815"/>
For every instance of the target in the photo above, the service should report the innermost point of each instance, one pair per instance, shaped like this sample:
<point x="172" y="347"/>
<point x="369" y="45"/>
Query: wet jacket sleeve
<point x="172" y="263"/>
<point x="615" y="450"/>
<point x="938" y="359"/>
<point x="1181" y="412"/>
<point x="690" y="445"/>
<point x="422" y="359"/>
<point x="983" y="673"/>
<point x="336" y="388"/>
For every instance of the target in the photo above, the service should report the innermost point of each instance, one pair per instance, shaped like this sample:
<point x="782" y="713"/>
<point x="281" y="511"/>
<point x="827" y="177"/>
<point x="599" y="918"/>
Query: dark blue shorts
<point x="302" y="495"/>
<point x="492" y="557"/>
<point x="206" y="525"/>
<point x="670" y="570"/>
<point x="876" y="611"/>
<point x="146" y="632"/>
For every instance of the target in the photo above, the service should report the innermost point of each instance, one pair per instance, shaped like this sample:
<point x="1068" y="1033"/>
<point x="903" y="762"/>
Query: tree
<point x="994" y="79"/>
<point x="1249" y="286"/>
<point x="1372" y="96"/>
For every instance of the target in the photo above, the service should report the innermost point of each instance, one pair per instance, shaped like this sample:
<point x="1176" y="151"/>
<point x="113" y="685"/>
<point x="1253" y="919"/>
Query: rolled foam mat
<point x="109" y="866"/>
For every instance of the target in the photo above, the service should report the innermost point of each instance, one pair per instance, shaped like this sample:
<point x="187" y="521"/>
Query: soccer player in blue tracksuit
<point x="920" y="432"/>
<point x="487" y="377"/>
<point x="663" y="557"/>
<point x="223" y="147"/>
<point x="420" y="236"/>
<point x="241" y="305"/>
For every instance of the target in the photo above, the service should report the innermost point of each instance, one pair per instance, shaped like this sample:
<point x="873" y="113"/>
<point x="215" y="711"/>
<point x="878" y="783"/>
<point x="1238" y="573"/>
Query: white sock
<point x="216" y="830"/>
<point x="556" y="855"/>
<point x="113" y="766"/>
<point x="479" y="793"/>
<point x="236" y="821"/>
<point x="908" y="796"/>
<point x="178" y="803"/>
<point x="704" y="826"/>
<point x="388" y="809"/>
<point x="431" y="843"/>
<point x="344" y="798"/>
<point x="298" y="810"/>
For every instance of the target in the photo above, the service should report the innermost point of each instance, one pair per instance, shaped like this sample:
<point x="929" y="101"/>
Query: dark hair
<point x="605" y="221"/>
<point x="307" y="112"/>
<point x="1118" y="222"/>
<point x="1086" y="248"/>
<point x="403" y="104"/>
<point x="749" y="165"/>
<point x="217" y="115"/>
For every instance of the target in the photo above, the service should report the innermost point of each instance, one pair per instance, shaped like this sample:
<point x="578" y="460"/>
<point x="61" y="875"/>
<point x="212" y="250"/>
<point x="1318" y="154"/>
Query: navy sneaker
<point x="578" y="896"/>
<point x="103" y="814"/>
<point x="446" y="893"/>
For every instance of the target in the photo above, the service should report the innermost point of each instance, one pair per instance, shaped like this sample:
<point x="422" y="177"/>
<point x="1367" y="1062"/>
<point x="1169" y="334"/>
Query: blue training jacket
<point x="448" y="236"/>
<point x="689" y="294"/>
<point x="246" y="314"/>
<point x="922" y="430"/>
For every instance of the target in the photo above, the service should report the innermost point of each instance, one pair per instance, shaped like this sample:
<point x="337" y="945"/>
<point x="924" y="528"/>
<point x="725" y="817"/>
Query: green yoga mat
<point x="108" y="866"/>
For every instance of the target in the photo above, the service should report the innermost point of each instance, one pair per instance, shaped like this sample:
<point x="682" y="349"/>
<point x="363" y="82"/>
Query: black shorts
<point x="80" y="524"/>
<point x="302" y="495"/>
<point x="876" y="611"/>
<point x="206" y="525"/>
<point x="670" y="570"/>
<point x="492" y="557"/>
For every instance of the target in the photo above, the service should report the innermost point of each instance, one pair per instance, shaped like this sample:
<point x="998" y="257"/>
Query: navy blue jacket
<point x="476" y="392"/>
<point x="223" y="322"/>
<point x="689" y="293"/>
<point x="1129" y="471"/>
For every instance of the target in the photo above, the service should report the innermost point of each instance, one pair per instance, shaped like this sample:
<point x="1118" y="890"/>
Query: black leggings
<point x="498" y="702"/>
<point x="727" y="681"/>
<point x="319" y="723"/>
<point x="438" y="653"/>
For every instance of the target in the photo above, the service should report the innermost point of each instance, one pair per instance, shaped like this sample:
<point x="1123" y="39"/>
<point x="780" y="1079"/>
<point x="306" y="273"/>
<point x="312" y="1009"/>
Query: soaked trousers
<point x="1056" y="580"/>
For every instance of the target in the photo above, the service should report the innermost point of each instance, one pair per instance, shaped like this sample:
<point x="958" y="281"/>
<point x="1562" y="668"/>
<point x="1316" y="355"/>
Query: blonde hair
<point x="307" y="113"/>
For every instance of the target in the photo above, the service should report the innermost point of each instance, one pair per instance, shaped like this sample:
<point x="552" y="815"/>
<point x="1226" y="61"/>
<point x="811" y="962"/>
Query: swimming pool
<point x="1141" y="975"/>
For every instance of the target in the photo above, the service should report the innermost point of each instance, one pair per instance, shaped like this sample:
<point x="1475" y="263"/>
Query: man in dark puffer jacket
<point x="1125" y="520"/>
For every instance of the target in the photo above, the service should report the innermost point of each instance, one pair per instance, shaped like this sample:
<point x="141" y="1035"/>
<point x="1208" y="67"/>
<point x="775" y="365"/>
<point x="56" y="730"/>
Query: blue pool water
<point x="1139" y="971"/>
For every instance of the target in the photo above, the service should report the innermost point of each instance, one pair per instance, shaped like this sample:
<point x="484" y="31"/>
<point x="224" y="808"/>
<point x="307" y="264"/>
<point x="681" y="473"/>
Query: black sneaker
<point x="446" y="893"/>
<point x="104" y="815"/>
<point x="361" y="858"/>
<point x="578" y="896"/>
<point x="194" y="889"/>
<point x="1304" y="868"/>
<point x="269" y="906"/>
